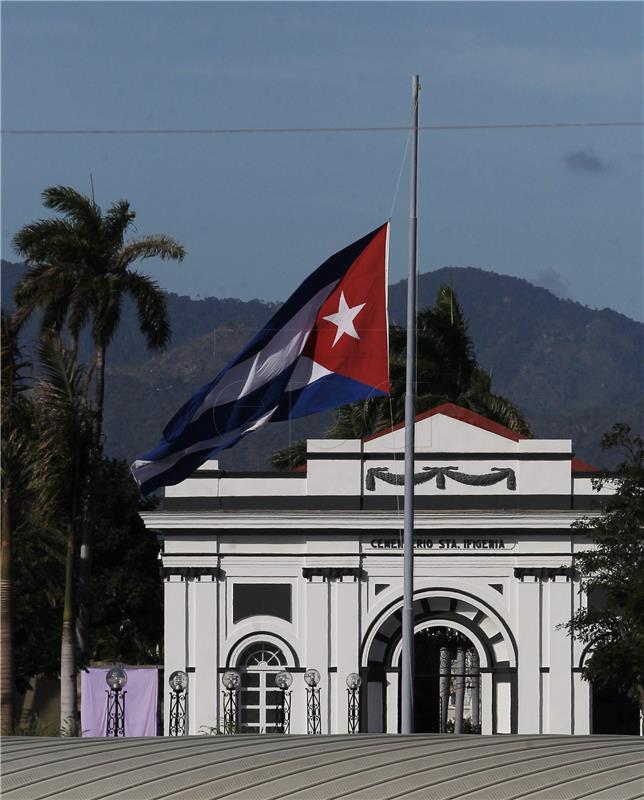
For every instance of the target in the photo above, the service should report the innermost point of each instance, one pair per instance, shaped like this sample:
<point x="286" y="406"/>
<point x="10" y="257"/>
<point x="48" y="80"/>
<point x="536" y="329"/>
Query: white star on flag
<point x="343" y="318"/>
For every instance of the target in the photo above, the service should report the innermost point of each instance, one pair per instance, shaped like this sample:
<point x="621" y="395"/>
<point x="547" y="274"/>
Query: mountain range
<point x="574" y="371"/>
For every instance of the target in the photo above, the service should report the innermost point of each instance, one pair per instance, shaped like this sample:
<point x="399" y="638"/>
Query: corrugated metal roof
<point x="370" y="767"/>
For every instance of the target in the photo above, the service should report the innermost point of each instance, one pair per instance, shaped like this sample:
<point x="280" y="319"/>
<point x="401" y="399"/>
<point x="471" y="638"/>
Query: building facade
<point x="291" y="571"/>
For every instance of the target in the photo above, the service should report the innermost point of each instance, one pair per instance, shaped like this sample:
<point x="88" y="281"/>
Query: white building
<point x="270" y="571"/>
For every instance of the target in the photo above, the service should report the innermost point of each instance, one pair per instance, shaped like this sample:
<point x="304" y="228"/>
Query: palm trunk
<point x="99" y="389"/>
<point x="87" y="530"/>
<point x="81" y="632"/>
<point x="84" y="579"/>
<point x="68" y="699"/>
<point x="6" y="622"/>
<point x="88" y="379"/>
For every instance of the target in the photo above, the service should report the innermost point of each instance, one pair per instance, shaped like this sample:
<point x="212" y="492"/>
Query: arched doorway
<point x="447" y="682"/>
<point x="259" y="700"/>
<point x="485" y="633"/>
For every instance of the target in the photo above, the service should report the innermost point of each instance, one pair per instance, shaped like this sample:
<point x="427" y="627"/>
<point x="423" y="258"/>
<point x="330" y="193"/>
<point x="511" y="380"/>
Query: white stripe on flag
<point x="306" y="372"/>
<point x="280" y="352"/>
<point x="145" y="470"/>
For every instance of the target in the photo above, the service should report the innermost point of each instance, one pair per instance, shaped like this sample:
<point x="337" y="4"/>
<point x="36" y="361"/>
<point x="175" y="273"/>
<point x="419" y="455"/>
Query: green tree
<point x="80" y="271"/>
<point x="447" y="372"/>
<point x="63" y="454"/>
<point x="126" y="614"/>
<point x="16" y="422"/>
<point x="613" y="571"/>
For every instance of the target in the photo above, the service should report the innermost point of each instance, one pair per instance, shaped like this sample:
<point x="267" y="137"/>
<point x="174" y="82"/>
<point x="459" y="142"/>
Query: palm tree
<point x="80" y="271"/>
<point x="63" y="453"/>
<point x="447" y="372"/>
<point x="16" y="413"/>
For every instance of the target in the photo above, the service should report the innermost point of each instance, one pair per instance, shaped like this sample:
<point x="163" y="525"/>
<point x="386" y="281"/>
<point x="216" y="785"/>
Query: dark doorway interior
<point x="614" y="713"/>
<point x="446" y="683"/>
<point x="426" y="684"/>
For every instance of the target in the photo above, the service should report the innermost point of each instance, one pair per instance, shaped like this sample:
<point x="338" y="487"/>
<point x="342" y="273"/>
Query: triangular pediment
<point x="448" y="428"/>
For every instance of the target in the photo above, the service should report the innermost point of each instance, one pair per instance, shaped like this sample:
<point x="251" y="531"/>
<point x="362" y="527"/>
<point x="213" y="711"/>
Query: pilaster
<point x="529" y="646"/>
<point x="205" y="677"/>
<point x="175" y="614"/>
<point x="317" y="640"/>
<point x="560" y="656"/>
<point x="346" y="639"/>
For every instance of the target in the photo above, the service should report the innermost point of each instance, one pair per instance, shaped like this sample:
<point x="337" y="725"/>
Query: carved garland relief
<point x="496" y="475"/>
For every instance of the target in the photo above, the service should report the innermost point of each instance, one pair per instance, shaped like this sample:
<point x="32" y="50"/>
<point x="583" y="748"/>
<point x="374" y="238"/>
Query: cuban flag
<point x="325" y="347"/>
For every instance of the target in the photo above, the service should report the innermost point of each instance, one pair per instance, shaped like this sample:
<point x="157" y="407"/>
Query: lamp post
<point x="353" y="702"/>
<point x="178" y="684"/>
<point x="283" y="681"/>
<point x="116" y="679"/>
<point x="313" y="716"/>
<point x="231" y="681"/>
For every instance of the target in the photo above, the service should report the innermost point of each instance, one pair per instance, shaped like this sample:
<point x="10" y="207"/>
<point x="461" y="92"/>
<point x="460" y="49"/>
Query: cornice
<point x="294" y="522"/>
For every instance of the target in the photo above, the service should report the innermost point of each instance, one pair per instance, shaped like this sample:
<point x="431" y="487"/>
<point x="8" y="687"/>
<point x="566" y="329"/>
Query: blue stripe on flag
<point x="322" y="395"/>
<point x="215" y="421"/>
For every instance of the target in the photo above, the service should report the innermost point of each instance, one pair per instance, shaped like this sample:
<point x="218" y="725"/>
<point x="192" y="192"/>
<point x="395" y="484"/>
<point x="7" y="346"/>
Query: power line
<point x="355" y="129"/>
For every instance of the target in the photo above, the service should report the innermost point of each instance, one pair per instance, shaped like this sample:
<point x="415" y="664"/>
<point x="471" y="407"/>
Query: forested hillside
<point x="573" y="370"/>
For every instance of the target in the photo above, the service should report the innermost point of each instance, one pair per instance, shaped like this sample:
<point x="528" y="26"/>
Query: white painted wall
<point x="331" y="618"/>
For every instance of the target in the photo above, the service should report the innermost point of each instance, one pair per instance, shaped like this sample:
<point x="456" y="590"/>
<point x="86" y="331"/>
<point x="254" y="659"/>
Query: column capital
<point x="544" y="573"/>
<point x="333" y="573"/>
<point x="187" y="573"/>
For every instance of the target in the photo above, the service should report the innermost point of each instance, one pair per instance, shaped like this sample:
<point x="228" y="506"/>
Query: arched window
<point x="260" y="698"/>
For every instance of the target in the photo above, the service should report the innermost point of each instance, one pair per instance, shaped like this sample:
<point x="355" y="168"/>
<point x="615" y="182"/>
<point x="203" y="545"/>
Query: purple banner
<point x="140" y="702"/>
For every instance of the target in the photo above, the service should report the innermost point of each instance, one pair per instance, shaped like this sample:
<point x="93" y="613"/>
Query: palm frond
<point x="501" y="410"/>
<point x="11" y="360"/>
<point x="65" y="435"/>
<point x="60" y="378"/>
<point x="78" y="207"/>
<point x="290" y="457"/>
<point x="17" y="417"/>
<point x="151" y="306"/>
<point x="81" y="305"/>
<point x="46" y="239"/>
<point x="447" y="306"/>
<point x="159" y="246"/>
<point x="45" y="285"/>
<point x="107" y="310"/>
<point x="116" y="222"/>
<point x="53" y="317"/>
<point x="356" y="420"/>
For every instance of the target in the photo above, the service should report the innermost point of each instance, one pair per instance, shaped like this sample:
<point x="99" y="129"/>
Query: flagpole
<point x="407" y="655"/>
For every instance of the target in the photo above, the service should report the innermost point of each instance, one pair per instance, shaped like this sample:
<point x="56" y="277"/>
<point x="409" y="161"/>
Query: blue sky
<point x="257" y="212"/>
